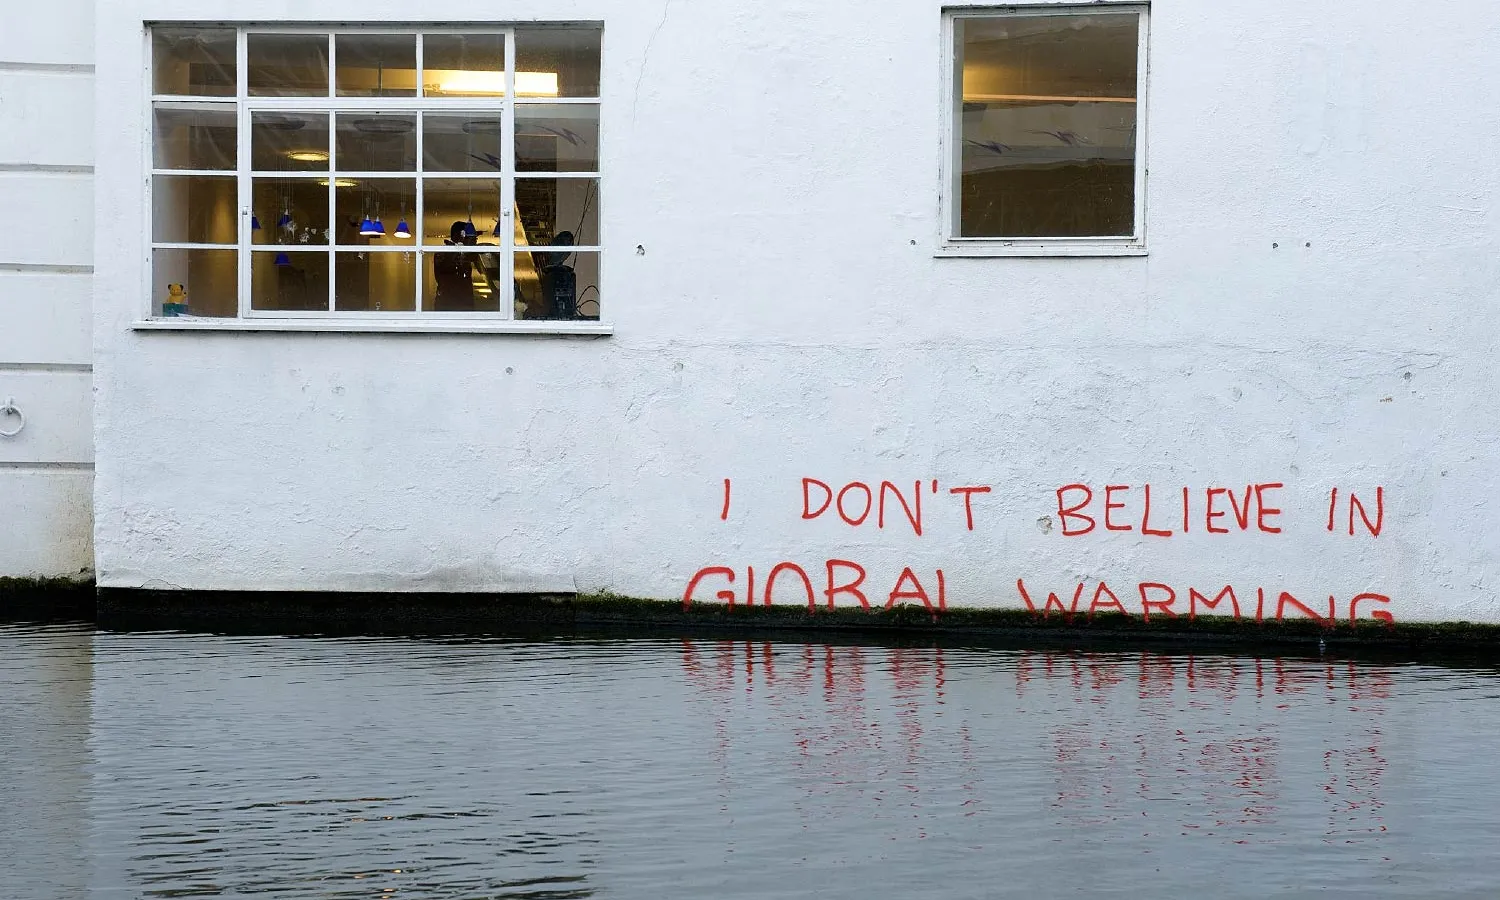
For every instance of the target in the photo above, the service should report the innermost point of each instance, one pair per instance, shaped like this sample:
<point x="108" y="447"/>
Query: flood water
<point x="171" y="765"/>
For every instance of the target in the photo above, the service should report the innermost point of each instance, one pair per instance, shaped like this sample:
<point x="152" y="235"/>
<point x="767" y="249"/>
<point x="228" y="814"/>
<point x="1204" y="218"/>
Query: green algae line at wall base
<point x="389" y="612"/>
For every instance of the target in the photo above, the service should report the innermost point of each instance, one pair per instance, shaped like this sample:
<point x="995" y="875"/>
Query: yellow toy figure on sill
<point x="176" y="303"/>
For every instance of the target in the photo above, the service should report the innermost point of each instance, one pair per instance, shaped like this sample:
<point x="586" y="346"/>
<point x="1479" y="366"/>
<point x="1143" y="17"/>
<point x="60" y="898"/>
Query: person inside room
<point x="454" y="272"/>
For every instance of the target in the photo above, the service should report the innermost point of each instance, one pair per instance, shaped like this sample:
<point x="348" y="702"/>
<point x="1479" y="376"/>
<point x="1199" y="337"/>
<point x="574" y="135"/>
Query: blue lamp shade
<point x="497" y="232"/>
<point x="285" y="221"/>
<point x="282" y="260"/>
<point x="255" y="223"/>
<point x="367" y="228"/>
<point x="470" y="230"/>
<point x="403" y="230"/>
<point x="379" y="228"/>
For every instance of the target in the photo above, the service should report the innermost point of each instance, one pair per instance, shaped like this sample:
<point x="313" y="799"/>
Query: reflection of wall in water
<point x="45" y="717"/>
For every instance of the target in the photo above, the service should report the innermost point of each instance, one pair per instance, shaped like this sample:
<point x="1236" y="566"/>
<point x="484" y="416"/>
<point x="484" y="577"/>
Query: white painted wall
<point x="785" y="316"/>
<point x="46" y="259"/>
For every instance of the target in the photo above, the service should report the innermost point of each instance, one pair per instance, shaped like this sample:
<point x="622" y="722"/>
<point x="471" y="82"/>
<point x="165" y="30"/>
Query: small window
<point x="361" y="173"/>
<point x="1044" y="150"/>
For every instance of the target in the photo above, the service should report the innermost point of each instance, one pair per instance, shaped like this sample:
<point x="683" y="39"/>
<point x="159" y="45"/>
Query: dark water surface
<point x="164" y="765"/>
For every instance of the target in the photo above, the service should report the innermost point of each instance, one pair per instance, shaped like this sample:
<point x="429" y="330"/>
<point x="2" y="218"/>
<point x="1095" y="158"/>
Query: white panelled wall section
<point x="46" y="265"/>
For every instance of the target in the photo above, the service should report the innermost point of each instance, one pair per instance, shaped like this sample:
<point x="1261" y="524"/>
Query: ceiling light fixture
<point x="532" y="84"/>
<point x="308" y="156"/>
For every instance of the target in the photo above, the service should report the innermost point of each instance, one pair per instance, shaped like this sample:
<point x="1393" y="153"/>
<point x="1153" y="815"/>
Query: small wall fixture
<point x="9" y="411"/>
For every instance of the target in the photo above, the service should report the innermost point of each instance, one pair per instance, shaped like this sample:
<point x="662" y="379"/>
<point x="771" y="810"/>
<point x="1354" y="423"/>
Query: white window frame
<point x="501" y="321"/>
<point x="948" y="241"/>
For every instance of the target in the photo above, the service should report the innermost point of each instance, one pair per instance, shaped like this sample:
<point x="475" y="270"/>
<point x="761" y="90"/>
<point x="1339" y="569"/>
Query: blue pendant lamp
<point x="367" y="228"/>
<point x="403" y="230"/>
<point x="255" y="223"/>
<point x="282" y="260"/>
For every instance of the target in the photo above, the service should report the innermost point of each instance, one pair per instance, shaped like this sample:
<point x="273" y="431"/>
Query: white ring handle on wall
<point x="8" y="411"/>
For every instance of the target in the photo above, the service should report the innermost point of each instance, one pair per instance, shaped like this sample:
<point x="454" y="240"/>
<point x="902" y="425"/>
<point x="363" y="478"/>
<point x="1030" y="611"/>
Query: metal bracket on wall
<point x="10" y="411"/>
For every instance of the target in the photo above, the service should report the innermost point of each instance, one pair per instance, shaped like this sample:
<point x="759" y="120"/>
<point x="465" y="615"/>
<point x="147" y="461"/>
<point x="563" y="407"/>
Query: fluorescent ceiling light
<point x="342" y="182"/>
<point x="534" y="84"/>
<point x="308" y="155"/>
<point x="1041" y="98"/>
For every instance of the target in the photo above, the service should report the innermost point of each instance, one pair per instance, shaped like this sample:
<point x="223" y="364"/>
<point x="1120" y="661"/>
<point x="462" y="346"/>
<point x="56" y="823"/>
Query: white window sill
<point x="1040" y="248"/>
<point x="418" y="326"/>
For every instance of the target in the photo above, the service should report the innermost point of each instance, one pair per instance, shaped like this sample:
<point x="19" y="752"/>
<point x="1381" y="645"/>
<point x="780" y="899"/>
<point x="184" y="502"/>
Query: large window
<point x="375" y="174"/>
<point x="1045" y="146"/>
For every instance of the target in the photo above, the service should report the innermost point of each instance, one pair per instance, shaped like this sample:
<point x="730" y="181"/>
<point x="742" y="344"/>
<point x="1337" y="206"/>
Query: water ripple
<point x="173" y="765"/>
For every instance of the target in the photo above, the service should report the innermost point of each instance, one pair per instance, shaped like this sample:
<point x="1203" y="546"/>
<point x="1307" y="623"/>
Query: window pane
<point x="288" y="65"/>
<point x="463" y="65"/>
<point x="194" y="136"/>
<point x="558" y="211"/>
<point x="289" y="211"/>
<point x="376" y="65"/>
<point x="194" y="209"/>
<point x="463" y="142"/>
<point x="557" y="285"/>
<point x="196" y="62"/>
<point x="376" y="142"/>
<point x="289" y="142"/>
<point x="1047" y="125"/>
<point x="380" y="205"/>
<point x="451" y="205"/>
<point x="461" y="282"/>
<point x="561" y="138"/>
<point x="557" y="62"/>
<point x="206" y="283"/>
<point x="375" y="282"/>
<point x="289" y="279"/>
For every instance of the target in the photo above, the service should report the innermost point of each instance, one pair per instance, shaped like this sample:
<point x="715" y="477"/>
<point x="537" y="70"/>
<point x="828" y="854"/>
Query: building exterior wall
<point x="46" y="264"/>
<point x="1316" y="310"/>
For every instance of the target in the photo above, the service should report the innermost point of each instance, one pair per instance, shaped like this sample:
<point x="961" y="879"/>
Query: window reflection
<point x="557" y="138"/>
<point x="289" y="279"/>
<point x="288" y="65"/>
<point x="195" y="136"/>
<point x="462" y="281"/>
<point x="376" y="65"/>
<point x="376" y="141"/>
<point x="557" y="284"/>
<point x="194" y="209"/>
<point x="557" y="62"/>
<point x="195" y="283"/>
<point x="461" y="142"/>
<point x="197" y="62"/>
<point x="1046" y="124"/>
<point x="289" y="142"/>
<point x="375" y="282"/>
<point x="463" y="65"/>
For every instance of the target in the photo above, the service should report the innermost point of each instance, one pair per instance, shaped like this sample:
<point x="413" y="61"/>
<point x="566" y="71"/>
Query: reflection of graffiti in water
<point x="1185" y="748"/>
<point x="855" y="720"/>
<point x="1167" y="746"/>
